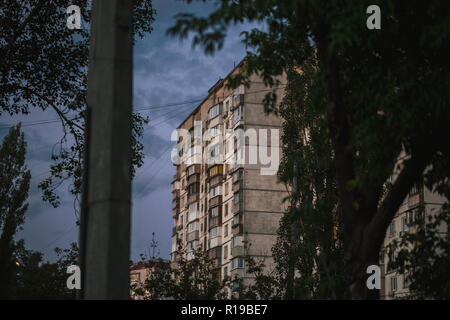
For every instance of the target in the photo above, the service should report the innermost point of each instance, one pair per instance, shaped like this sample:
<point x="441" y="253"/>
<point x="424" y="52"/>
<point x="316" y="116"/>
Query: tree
<point x="309" y="239"/>
<point x="14" y="186"/>
<point x="44" y="66"/>
<point x="187" y="279"/>
<point x="36" y="279"/>
<point x="422" y="256"/>
<point x="385" y="93"/>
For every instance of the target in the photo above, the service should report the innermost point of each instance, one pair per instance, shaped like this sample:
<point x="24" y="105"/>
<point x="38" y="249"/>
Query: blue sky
<point x="166" y="70"/>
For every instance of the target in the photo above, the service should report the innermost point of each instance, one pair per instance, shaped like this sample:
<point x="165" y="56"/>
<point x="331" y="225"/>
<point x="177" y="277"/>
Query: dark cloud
<point x="166" y="70"/>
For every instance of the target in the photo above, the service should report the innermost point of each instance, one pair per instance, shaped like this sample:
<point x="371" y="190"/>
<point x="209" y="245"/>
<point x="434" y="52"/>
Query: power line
<point x="169" y="105"/>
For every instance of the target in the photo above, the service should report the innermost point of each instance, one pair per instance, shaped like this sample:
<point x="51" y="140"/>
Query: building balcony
<point x="237" y="208"/>
<point x="215" y="255"/>
<point x="238" y="100"/>
<point x="215" y="201"/>
<point x="214" y="170"/>
<point x="192" y="198"/>
<point x="193" y="178"/>
<point x="237" y="251"/>
<point x="237" y="229"/>
<point x="215" y="221"/>
<point x="191" y="236"/>
<point x="214" y="242"/>
<point x="238" y="185"/>
<point x="175" y="194"/>
<point x="175" y="212"/>
<point x="176" y="176"/>
<point x="174" y="231"/>
<point x="180" y="227"/>
<point x="214" y="181"/>
<point x="414" y="200"/>
<point x="193" y="169"/>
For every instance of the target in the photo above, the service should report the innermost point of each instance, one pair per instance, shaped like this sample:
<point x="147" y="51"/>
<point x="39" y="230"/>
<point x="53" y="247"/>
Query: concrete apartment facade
<point x="229" y="208"/>
<point x="420" y="200"/>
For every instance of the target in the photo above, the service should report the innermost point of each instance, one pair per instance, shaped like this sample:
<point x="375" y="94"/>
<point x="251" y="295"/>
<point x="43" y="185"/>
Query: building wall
<point x="393" y="284"/>
<point x="253" y="222"/>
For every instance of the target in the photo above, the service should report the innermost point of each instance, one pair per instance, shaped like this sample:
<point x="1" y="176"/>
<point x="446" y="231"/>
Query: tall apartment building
<point x="420" y="200"/>
<point x="226" y="196"/>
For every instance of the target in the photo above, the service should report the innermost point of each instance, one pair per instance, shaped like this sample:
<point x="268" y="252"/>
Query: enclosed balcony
<point x="215" y="254"/>
<point x="214" y="170"/>
<point x="193" y="178"/>
<point x="193" y="169"/>
<point x="215" y="221"/>
<point x="191" y="236"/>
<point x="237" y="251"/>
<point x="217" y="200"/>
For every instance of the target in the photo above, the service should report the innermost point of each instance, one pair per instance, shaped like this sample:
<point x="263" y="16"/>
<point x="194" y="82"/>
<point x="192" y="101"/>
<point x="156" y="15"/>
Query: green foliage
<point x="14" y="186"/>
<point x="314" y="212"/>
<point x="193" y="279"/>
<point x="422" y="255"/>
<point x="382" y="92"/>
<point x="40" y="280"/>
<point x="44" y="65"/>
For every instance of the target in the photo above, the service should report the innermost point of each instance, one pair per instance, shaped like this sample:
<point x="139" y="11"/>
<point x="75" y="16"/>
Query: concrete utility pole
<point x="105" y="230"/>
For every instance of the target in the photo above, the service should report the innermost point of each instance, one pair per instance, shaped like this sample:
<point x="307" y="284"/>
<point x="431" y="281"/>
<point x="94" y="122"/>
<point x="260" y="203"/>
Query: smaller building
<point x="139" y="272"/>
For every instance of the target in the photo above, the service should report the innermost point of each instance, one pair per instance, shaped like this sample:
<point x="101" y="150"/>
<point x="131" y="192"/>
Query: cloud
<point x="166" y="70"/>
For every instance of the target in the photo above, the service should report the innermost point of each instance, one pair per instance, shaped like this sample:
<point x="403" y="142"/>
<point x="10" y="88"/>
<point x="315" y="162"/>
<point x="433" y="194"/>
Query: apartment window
<point x="192" y="226"/>
<point x="239" y="113"/>
<point x="236" y="241"/>
<point x="225" y="272"/>
<point x="191" y="246"/>
<point x="201" y="227"/>
<point x="236" y="220"/>
<point x="406" y="282"/>
<point x="193" y="188"/>
<point x="236" y="198"/>
<point x="214" y="131"/>
<point x="225" y="252"/>
<point x="225" y="213"/>
<point x="191" y="170"/>
<point x="214" y="192"/>
<point x="215" y="212"/>
<point x="214" y="111"/>
<point x="392" y="229"/>
<point x="181" y="220"/>
<point x="214" y="232"/>
<point x="225" y="228"/>
<point x="404" y="224"/>
<point x="237" y="176"/>
<point x="393" y="284"/>
<point x="237" y="263"/>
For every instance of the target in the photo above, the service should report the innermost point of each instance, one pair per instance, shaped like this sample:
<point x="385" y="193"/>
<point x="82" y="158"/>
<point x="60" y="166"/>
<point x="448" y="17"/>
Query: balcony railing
<point x="215" y="180"/>
<point x="192" y="198"/>
<point x="237" y="208"/>
<point x="237" y="229"/>
<point x="215" y="201"/>
<point x="215" y="221"/>
<point x="193" y="178"/>
<point x="237" y="251"/>
<point x="192" y="236"/>
<point x="214" y="242"/>
<point x="175" y="212"/>
<point x="238" y="185"/>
